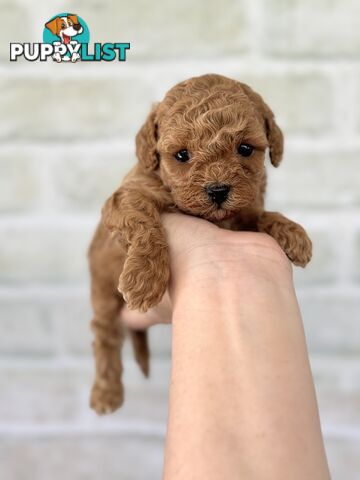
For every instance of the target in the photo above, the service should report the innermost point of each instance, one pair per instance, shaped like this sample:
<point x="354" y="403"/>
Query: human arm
<point x="242" y="402"/>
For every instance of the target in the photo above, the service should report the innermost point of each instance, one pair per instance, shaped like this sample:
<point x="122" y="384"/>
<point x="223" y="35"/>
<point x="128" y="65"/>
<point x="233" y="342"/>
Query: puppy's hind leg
<point x="107" y="393"/>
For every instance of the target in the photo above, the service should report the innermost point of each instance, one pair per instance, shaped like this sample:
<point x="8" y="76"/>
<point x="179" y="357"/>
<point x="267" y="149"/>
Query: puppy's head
<point x="65" y="27"/>
<point x="207" y="141"/>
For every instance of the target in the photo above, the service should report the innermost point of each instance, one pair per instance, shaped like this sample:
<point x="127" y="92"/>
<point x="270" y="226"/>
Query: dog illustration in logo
<point x="65" y="27"/>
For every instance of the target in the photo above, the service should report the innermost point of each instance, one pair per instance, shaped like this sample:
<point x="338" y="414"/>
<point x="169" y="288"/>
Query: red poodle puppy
<point x="201" y="151"/>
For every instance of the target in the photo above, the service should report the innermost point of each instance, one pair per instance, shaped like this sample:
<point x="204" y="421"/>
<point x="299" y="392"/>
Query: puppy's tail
<point x="139" y="339"/>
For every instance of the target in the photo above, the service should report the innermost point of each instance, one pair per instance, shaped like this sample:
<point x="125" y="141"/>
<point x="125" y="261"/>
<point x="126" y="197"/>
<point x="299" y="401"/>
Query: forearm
<point x="242" y="403"/>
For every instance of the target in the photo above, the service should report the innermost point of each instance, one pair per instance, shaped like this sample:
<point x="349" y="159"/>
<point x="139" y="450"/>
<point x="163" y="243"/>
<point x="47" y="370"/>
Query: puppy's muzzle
<point x="218" y="193"/>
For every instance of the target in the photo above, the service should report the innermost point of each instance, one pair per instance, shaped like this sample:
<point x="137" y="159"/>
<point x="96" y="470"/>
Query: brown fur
<point x="55" y="25"/>
<point x="209" y="116"/>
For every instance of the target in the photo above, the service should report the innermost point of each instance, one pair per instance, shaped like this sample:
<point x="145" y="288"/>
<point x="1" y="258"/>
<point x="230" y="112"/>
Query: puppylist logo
<point x="66" y="39"/>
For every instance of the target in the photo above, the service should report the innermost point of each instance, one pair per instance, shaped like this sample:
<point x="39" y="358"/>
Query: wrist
<point x="231" y="259"/>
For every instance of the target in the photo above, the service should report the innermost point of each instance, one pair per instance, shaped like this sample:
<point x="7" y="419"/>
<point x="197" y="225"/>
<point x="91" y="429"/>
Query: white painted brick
<point x="41" y="395"/>
<point x="50" y="393"/>
<point x="84" y="180"/>
<point x="160" y="340"/>
<point x="35" y="108"/>
<point x="20" y="182"/>
<point x="343" y="458"/>
<point x="33" y="252"/>
<point x="302" y="102"/>
<point x="56" y="320"/>
<point x="10" y="13"/>
<point x="93" y="457"/>
<point x="323" y="267"/>
<point x="27" y="329"/>
<point x="337" y="382"/>
<point x="331" y="322"/>
<point x="60" y="325"/>
<point x="354" y="112"/>
<point x="73" y="327"/>
<point x="306" y="179"/>
<point x="314" y="29"/>
<point x="339" y="407"/>
<point x="356" y="260"/>
<point x="170" y="30"/>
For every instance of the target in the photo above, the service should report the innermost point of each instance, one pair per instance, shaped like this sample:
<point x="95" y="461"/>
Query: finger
<point x="135" y="319"/>
<point x="160" y="314"/>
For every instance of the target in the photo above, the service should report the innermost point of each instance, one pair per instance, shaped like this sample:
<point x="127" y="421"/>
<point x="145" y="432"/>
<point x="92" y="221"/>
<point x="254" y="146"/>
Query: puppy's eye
<point x="182" y="156"/>
<point x="245" y="150"/>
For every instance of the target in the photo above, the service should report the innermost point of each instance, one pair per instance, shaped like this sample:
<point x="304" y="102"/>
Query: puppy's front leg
<point x="74" y="57"/>
<point x="291" y="236"/>
<point x="56" y="56"/>
<point x="74" y="53"/>
<point x="134" y="218"/>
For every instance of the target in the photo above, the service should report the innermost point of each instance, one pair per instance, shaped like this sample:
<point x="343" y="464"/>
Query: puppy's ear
<point x="73" y="18"/>
<point x="273" y="132"/>
<point x="146" y="140"/>
<point x="275" y="137"/>
<point x="53" y="25"/>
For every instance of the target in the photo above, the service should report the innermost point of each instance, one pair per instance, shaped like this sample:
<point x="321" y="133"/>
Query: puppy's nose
<point x="77" y="26"/>
<point x="218" y="192"/>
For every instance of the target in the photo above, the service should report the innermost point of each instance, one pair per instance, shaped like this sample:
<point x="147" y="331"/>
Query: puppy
<point x="201" y="151"/>
<point x="65" y="28"/>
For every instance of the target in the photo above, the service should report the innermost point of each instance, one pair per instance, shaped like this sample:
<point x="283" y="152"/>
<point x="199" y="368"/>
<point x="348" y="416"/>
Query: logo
<point x="66" y="39"/>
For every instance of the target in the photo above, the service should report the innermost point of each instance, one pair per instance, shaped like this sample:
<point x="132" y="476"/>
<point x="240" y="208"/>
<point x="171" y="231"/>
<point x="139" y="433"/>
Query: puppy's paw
<point x="106" y="398"/>
<point x="144" y="280"/>
<point x="74" y="57"/>
<point x="295" y="242"/>
<point x="56" y="57"/>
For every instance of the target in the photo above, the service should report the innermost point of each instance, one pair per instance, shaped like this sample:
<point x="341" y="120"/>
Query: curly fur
<point x="129" y="258"/>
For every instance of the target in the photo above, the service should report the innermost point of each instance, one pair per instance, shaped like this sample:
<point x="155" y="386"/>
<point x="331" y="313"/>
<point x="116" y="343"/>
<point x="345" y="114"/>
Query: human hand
<point x="199" y="249"/>
<point x="186" y="236"/>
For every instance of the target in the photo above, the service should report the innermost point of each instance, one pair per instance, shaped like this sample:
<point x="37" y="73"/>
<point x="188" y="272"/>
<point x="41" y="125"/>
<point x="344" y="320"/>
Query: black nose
<point x="218" y="193"/>
<point x="77" y="26"/>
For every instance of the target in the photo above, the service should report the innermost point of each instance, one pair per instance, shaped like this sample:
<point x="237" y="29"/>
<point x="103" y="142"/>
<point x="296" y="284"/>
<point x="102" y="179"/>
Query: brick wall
<point x="67" y="138"/>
